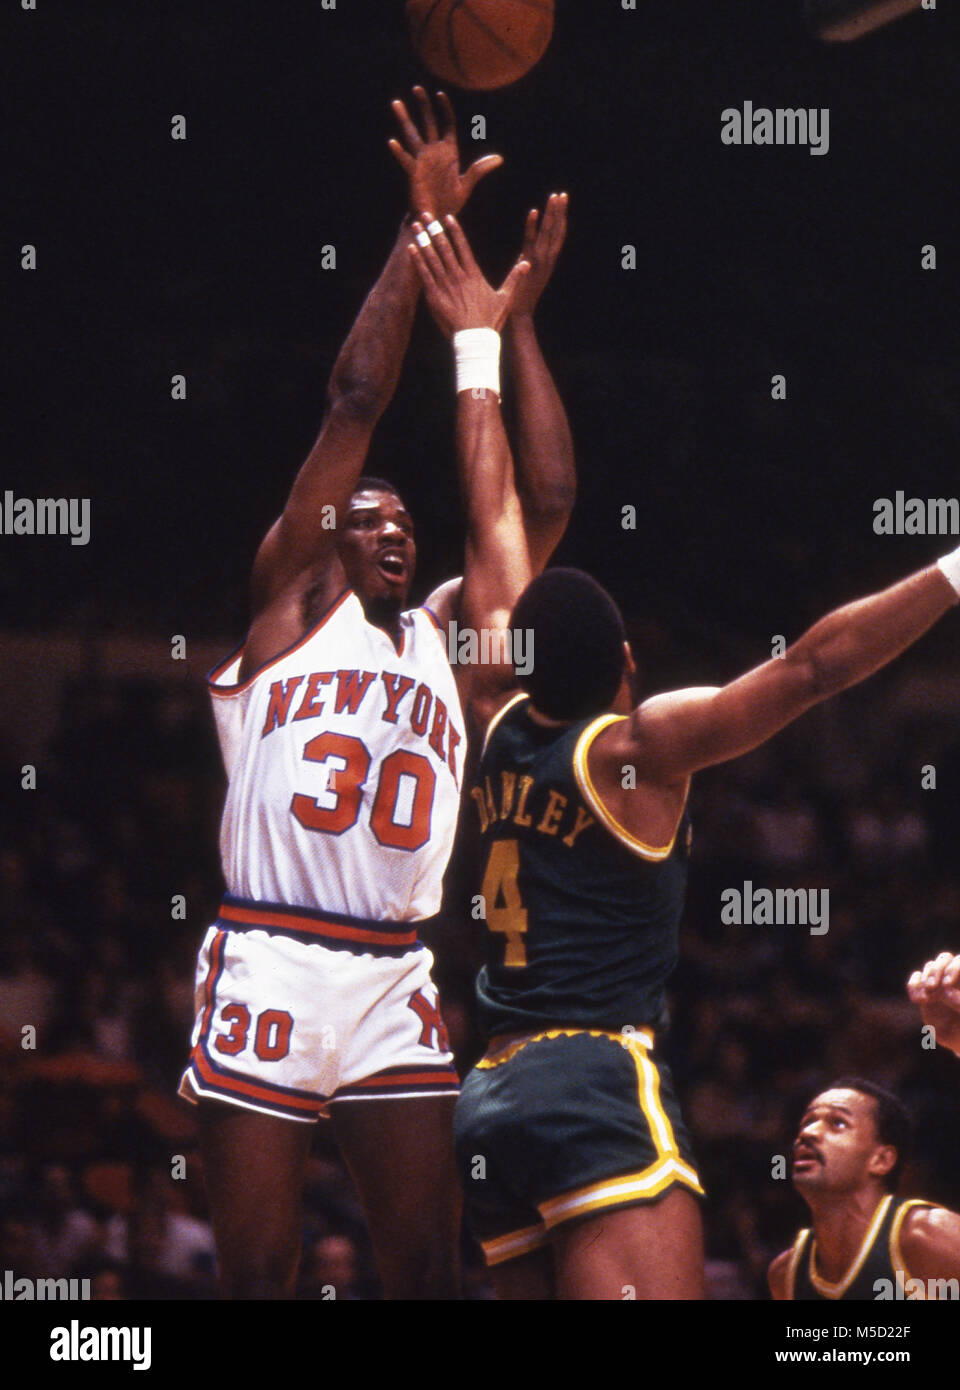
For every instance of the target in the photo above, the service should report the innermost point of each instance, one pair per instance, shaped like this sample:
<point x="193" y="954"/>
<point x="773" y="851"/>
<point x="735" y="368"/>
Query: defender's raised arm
<point x="544" y="466"/>
<point x="497" y="561"/>
<point x="677" y="733"/>
<point x="545" y="469"/>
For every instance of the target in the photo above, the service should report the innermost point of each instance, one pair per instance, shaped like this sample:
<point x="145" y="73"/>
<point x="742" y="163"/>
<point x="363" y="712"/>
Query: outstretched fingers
<point x="425" y="258"/>
<point x="410" y="133"/>
<point x="440" y="244"/>
<point x="554" y="227"/>
<point x="426" y="111"/>
<point x="449" y="118"/>
<point x="530" y="232"/>
<point x="403" y="158"/>
<point x="512" y="283"/>
<point x="464" y="254"/>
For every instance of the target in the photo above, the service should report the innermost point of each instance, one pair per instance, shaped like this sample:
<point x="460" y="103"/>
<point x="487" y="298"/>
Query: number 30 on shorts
<point x="344" y="814"/>
<point x="271" y="1042"/>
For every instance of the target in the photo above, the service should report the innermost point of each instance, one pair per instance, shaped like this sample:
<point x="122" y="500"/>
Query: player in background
<point x="851" y="1147"/>
<point x="572" y="1154"/>
<point x="936" y="990"/>
<point x="344" y="743"/>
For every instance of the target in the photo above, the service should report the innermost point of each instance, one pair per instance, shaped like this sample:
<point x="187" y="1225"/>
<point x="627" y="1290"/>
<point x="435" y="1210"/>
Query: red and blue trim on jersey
<point x="335" y="930"/>
<point x="227" y="691"/>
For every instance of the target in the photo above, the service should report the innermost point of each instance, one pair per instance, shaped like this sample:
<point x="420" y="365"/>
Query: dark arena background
<point x="695" y="272"/>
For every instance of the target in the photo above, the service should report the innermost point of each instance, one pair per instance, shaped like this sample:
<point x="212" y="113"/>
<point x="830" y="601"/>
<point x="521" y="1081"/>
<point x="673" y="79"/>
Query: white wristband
<point x="950" y="565"/>
<point x="477" y="355"/>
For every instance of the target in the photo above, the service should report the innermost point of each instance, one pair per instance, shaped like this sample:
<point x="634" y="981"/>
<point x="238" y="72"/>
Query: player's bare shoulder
<point x="930" y="1242"/>
<point x="642" y="739"/>
<point x="653" y="720"/>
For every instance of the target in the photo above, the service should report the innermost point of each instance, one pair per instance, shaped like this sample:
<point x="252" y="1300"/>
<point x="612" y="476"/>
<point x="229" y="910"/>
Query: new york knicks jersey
<point x="582" y="918"/>
<point x="344" y="755"/>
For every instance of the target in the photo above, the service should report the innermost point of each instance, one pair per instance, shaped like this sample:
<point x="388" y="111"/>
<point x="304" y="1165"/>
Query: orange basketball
<point x="480" y="44"/>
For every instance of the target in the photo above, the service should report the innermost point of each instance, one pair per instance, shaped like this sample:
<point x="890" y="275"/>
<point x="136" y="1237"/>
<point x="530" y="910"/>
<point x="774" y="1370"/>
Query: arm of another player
<point x="545" y="467"/>
<point x="545" y="472"/>
<point x="677" y="733"/>
<point x="936" y="991"/>
<point x="497" y="563"/>
<point x="368" y="367"/>
<point x="930" y="1242"/>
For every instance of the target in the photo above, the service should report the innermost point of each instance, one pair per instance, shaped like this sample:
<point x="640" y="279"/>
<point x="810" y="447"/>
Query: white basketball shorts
<point x="297" y="1010"/>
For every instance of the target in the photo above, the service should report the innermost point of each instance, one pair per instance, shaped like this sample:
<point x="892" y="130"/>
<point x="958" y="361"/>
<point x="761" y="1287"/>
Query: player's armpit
<point x="930" y="1242"/>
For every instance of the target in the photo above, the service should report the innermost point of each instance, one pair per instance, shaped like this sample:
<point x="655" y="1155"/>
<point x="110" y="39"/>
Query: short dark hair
<point x="892" y="1121"/>
<point x="578" y="638"/>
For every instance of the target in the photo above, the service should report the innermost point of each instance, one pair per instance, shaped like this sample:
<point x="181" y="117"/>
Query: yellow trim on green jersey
<point x="796" y="1255"/>
<point x="643" y="1184"/>
<point x="514" y="1244"/>
<point x="514" y="700"/>
<point x="648" y="1093"/>
<point x="838" y="1290"/>
<point x="896" y="1254"/>
<point x="648" y="1183"/>
<point x="581" y="772"/>
<point x="642" y="1036"/>
<point x="667" y="1168"/>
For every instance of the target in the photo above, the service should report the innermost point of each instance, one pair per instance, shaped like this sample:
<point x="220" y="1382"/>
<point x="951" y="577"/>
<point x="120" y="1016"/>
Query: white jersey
<point x="345" y="757"/>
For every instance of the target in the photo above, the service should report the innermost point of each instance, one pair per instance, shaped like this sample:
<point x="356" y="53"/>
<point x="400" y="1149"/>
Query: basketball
<point x="480" y="44"/>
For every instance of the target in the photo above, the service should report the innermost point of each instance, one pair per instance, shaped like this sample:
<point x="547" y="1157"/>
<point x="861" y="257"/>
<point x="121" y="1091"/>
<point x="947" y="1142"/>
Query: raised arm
<point x="497" y="562"/>
<point x="299" y="550"/>
<point x="545" y="468"/>
<point x="545" y="472"/>
<point x="364" y="378"/>
<point x="675" y="734"/>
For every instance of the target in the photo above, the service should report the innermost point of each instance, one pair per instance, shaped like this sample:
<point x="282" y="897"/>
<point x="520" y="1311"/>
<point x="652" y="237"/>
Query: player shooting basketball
<point x="343" y="737"/>
<point x="573" y="1156"/>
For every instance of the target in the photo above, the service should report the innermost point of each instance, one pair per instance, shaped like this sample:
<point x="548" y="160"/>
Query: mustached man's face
<point x="377" y="550"/>
<point x="837" y="1150"/>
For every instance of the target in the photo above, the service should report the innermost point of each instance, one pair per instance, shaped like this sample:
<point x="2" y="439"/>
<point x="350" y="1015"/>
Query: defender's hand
<point x="456" y="291"/>
<point x="542" y="242"/>
<point x="432" y="163"/>
<point x="936" y="990"/>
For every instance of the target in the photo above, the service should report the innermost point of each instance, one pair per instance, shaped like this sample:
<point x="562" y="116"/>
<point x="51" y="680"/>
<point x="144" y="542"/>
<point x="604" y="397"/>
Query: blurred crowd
<point x="109" y="875"/>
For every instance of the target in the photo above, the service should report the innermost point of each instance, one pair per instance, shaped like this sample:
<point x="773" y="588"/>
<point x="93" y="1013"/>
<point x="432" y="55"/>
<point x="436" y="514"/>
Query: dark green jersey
<point x="877" y="1269"/>
<point x="582" y="918"/>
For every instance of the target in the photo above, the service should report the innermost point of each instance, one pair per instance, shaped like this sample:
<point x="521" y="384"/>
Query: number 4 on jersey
<point x="505" y="910"/>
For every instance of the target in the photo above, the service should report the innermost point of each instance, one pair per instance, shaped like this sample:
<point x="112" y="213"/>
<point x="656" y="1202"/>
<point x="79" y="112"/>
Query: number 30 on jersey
<point x="402" y="804"/>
